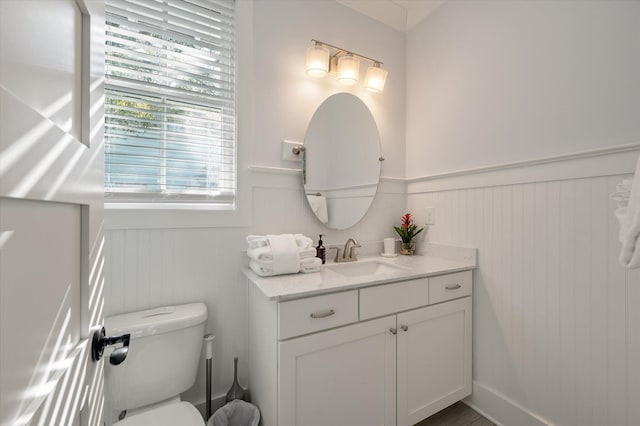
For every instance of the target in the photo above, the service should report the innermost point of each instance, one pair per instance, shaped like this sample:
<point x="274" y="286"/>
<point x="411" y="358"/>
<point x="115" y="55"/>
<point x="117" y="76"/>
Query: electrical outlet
<point x="287" y="150"/>
<point x="430" y="215"/>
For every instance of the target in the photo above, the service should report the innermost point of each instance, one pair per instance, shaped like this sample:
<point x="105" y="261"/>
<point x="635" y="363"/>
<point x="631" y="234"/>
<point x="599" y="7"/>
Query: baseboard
<point x="500" y="409"/>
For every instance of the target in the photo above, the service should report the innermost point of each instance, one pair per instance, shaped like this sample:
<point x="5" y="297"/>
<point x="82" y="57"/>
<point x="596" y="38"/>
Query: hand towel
<point x="313" y="266"/>
<point x="286" y="257"/>
<point x="629" y="218"/>
<point x="257" y="241"/>
<point x="265" y="268"/>
<point x="303" y="241"/>
<point x="266" y="253"/>
<point x="318" y="204"/>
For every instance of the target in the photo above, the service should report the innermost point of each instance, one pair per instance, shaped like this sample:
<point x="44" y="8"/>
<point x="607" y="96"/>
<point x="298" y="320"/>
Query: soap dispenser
<point x="320" y="250"/>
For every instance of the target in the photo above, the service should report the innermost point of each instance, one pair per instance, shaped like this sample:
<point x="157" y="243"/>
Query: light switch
<point x="430" y="215"/>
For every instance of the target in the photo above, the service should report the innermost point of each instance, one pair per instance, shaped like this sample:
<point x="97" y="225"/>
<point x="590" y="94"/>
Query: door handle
<point x="100" y="341"/>
<point x="453" y="287"/>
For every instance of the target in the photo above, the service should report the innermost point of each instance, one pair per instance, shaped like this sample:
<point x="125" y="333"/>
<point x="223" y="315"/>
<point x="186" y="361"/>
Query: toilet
<point x="162" y="362"/>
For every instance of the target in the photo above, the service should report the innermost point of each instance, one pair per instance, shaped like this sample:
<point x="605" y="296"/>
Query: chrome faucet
<point x="348" y="253"/>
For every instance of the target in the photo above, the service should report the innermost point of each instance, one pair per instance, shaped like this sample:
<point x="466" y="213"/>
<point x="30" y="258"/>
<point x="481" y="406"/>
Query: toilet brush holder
<point x="236" y="391"/>
<point x="208" y="341"/>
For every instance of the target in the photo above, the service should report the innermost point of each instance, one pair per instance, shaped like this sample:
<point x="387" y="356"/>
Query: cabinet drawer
<point x="391" y="298"/>
<point x="317" y="313"/>
<point x="450" y="286"/>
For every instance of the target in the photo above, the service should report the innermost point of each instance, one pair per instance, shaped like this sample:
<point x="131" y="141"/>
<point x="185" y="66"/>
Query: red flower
<point x="406" y="220"/>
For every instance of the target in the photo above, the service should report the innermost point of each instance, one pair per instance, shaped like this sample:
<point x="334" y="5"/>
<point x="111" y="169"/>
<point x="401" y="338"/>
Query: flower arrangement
<point x="407" y="229"/>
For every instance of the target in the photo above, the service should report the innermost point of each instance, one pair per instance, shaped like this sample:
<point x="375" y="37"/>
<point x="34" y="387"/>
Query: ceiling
<point x="402" y="15"/>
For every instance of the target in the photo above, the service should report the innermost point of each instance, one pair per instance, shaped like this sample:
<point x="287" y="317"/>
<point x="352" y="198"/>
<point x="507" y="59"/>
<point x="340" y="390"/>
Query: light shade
<point x="348" y="69"/>
<point x="375" y="78"/>
<point x="317" y="61"/>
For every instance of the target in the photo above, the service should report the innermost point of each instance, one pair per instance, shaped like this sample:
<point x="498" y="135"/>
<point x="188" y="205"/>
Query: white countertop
<point x="437" y="260"/>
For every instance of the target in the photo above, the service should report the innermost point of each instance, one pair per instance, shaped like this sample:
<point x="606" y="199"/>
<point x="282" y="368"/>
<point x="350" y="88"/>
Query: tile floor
<point x="459" y="414"/>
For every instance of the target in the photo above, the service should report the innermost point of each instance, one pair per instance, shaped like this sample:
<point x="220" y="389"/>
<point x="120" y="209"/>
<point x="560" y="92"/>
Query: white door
<point x="434" y="359"/>
<point x="341" y="377"/>
<point x="51" y="237"/>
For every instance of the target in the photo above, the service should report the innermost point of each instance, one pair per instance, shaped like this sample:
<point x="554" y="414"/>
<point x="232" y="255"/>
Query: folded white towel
<point x="266" y="253"/>
<point x="310" y="267"/>
<point x="265" y="268"/>
<point x="260" y="269"/>
<point x="286" y="257"/>
<point x="257" y="241"/>
<point x="269" y="263"/>
<point x="629" y="217"/>
<point x="318" y="204"/>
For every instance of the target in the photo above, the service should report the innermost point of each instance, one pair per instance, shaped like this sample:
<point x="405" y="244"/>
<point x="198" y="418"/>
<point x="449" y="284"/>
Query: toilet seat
<point x="178" y="413"/>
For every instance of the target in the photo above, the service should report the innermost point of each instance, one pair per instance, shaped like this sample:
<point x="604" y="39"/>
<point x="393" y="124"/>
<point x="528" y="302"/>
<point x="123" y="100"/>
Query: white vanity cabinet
<point x="376" y="355"/>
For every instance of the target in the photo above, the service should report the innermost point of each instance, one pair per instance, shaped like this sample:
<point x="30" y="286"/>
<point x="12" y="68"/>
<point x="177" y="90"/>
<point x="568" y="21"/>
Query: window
<point x="170" y="102"/>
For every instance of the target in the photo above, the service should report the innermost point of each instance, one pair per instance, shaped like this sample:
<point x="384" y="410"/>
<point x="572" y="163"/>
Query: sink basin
<point x="364" y="268"/>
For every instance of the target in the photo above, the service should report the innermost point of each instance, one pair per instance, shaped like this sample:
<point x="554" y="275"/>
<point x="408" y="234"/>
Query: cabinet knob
<point x="404" y="327"/>
<point x="393" y="331"/>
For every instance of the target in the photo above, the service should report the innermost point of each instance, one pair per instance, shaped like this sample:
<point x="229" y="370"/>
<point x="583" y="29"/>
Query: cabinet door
<point x="434" y="359"/>
<point x="341" y="377"/>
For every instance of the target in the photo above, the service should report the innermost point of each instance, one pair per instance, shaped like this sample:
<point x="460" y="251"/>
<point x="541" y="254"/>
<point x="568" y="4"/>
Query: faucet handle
<point x="352" y="253"/>
<point x="337" y="259"/>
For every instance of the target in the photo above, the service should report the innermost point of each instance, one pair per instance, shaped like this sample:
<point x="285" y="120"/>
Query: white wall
<point x="152" y="267"/>
<point x="556" y="320"/>
<point x="497" y="81"/>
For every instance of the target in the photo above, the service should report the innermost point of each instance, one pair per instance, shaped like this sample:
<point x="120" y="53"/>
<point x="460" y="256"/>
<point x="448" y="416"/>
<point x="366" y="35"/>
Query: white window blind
<point x="170" y="101"/>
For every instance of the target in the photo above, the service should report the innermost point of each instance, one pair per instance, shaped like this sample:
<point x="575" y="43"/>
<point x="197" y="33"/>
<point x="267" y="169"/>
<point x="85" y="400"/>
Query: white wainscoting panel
<point x="556" y="318"/>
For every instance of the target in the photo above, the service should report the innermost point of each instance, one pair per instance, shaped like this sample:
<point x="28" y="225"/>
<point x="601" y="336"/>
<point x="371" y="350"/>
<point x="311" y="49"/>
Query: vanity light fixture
<point x="344" y="64"/>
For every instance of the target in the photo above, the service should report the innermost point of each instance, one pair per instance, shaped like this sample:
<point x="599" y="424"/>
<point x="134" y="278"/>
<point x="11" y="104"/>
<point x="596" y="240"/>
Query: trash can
<point x="236" y="413"/>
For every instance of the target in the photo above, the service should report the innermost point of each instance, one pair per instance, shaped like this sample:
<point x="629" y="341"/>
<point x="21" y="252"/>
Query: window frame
<point x="121" y="216"/>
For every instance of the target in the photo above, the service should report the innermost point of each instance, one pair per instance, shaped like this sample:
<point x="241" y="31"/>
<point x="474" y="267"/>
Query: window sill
<point x="163" y="216"/>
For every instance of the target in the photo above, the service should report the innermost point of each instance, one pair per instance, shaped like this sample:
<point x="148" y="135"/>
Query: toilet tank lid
<point x="157" y="320"/>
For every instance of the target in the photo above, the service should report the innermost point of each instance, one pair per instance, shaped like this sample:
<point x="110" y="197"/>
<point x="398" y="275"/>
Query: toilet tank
<point x="163" y="355"/>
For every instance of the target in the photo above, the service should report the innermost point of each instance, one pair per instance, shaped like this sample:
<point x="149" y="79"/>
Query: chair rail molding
<point x="608" y="161"/>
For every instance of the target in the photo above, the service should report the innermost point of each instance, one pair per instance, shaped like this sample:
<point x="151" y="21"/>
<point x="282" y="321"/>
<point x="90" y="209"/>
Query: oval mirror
<point x="342" y="161"/>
